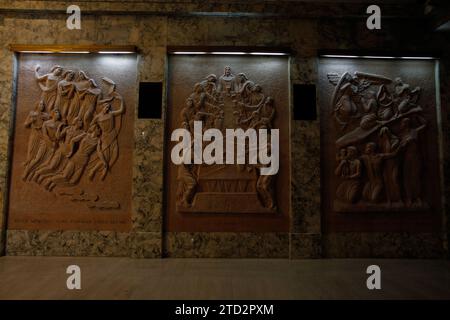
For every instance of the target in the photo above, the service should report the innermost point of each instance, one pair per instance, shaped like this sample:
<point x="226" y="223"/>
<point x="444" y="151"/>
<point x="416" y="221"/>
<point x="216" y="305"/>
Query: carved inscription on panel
<point x="378" y="163"/>
<point x="228" y="101"/>
<point x="73" y="132"/>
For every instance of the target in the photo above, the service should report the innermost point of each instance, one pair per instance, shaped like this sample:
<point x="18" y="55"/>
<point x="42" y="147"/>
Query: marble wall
<point x="152" y="34"/>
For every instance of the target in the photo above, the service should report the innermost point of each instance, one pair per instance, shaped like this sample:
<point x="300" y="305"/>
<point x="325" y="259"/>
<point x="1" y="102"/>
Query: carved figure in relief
<point x="264" y="115"/>
<point x="250" y="115"/>
<point x="257" y="96"/>
<point x="210" y="87"/>
<point x="110" y="121"/>
<point x="66" y="91"/>
<point x="35" y="120"/>
<point x="241" y="81"/>
<point x="341" y="155"/>
<point x="386" y="104"/>
<point x="244" y="88"/>
<point x="389" y="143"/>
<point x="372" y="110"/>
<point x="373" y="163"/>
<point x="226" y="103"/>
<point x="82" y="81"/>
<point x="227" y="82"/>
<point x="83" y="119"/>
<point x="349" y="169"/>
<point x="265" y="186"/>
<point x="72" y="171"/>
<point x="369" y="118"/>
<point x="206" y="109"/>
<point x="109" y="146"/>
<point x="64" y="134"/>
<point x="47" y="145"/>
<point x="412" y="165"/>
<point x="88" y="97"/>
<point x="188" y="116"/>
<point x="187" y="184"/>
<point x="406" y="98"/>
<point x="48" y="83"/>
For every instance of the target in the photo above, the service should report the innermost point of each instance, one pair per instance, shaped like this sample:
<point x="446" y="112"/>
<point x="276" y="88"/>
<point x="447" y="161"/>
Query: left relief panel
<point x="71" y="165"/>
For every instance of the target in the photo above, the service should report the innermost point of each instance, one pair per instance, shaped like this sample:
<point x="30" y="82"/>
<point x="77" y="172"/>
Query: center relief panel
<point x="226" y="92"/>
<point x="71" y="162"/>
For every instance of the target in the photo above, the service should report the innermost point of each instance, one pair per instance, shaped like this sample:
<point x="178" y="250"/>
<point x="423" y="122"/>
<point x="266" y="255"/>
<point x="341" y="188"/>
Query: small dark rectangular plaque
<point x="150" y="100"/>
<point x="305" y="102"/>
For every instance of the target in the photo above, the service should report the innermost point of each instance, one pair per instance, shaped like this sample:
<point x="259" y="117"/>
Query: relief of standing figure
<point x="49" y="85"/>
<point x="35" y="120"/>
<point x="373" y="163"/>
<point x="412" y="164"/>
<point x="350" y="170"/>
<point x="390" y="143"/>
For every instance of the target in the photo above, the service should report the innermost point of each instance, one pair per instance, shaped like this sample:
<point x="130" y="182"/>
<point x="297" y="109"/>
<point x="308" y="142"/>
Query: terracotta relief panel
<point x="379" y="145"/>
<point x="71" y="165"/>
<point x="223" y="93"/>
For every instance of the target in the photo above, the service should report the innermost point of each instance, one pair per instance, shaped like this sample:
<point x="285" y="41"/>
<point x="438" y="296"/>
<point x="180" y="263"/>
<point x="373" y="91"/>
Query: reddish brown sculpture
<point x="76" y="140"/>
<point x="72" y="153"/>
<point x="227" y="103"/>
<point x="378" y="122"/>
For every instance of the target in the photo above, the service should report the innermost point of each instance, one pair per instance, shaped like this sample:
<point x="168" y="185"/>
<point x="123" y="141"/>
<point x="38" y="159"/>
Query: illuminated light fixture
<point x="378" y="57"/>
<point x="25" y="51"/>
<point x="338" y="56"/>
<point x="78" y="49"/>
<point x="418" y="58"/>
<point x="190" y="52"/>
<point x="234" y="53"/>
<point x="73" y="52"/>
<point x="374" y="57"/>
<point x="269" y="53"/>
<point x="116" y="52"/>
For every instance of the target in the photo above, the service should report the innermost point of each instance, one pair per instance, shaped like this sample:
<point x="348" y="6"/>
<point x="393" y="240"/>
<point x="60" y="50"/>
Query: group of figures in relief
<point x="379" y="124"/>
<point x="73" y="132"/>
<point x="227" y="102"/>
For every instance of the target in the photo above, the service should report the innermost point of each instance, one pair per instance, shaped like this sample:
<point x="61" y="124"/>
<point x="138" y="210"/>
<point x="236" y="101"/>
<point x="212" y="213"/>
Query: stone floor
<point x="123" y="278"/>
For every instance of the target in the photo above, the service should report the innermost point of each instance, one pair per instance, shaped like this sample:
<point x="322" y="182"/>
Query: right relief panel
<point x="380" y="145"/>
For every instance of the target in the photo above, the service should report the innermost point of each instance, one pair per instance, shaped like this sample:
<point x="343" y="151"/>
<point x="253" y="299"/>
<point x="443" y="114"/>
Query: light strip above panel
<point x="73" y="49"/>
<point x="376" y="57"/>
<point x="269" y="53"/>
<point x="115" y="52"/>
<point x="232" y="53"/>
